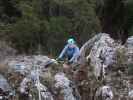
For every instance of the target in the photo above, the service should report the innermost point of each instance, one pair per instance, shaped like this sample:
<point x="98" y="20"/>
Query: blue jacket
<point x="73" y="53"/>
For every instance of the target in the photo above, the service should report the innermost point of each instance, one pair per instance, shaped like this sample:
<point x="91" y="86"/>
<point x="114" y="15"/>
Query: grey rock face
<point x="4" y="85"/>
<point x="24" y="64"/>
<point x="30" y="68"/>
<point x="64" y="83"/>
<point x="5" y="90"/>
<point x="129" y="47"/>
<point x="102" y="54"/>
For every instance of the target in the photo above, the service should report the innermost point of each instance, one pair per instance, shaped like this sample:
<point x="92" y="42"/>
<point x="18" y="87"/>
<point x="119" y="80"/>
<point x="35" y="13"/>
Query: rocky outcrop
<point x="32" y="76"/>
<point x="37" y="76"/>
<point x="22" y="73"/>
<point x="102" y="53"/>
<point x="129" y="47"/>
<point x="5" y="89"/>
<point x="24" y="64"/>
<point x="64" y="85"/>
<point x="109" y="60"/>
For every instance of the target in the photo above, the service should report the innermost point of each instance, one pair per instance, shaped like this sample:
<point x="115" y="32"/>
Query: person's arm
<point x="76" y="54"/>
<point x="63" y="52"/>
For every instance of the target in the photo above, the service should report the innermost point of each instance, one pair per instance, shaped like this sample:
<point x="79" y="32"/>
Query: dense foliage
<point x="45" y="25"/>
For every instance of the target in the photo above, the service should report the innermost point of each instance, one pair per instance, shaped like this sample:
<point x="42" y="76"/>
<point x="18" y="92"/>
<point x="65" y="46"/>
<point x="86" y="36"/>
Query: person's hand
<point x="58" y="59"/>
<point x="70" y="62"/>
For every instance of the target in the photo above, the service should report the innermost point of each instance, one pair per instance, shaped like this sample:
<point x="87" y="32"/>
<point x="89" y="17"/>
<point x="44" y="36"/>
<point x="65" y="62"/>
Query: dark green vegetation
<point x="45" y="25"/>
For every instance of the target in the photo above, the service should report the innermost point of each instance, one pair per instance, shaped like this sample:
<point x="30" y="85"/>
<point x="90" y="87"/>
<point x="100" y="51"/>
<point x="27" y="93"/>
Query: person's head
<point x="71" y="42"/>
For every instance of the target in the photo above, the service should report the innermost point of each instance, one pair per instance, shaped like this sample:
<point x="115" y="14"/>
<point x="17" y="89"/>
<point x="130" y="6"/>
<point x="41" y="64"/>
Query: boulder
<point x="102" y="54"/>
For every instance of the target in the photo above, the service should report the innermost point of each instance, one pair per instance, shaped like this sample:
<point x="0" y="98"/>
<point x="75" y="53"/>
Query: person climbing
<point x="70" y="51"/>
